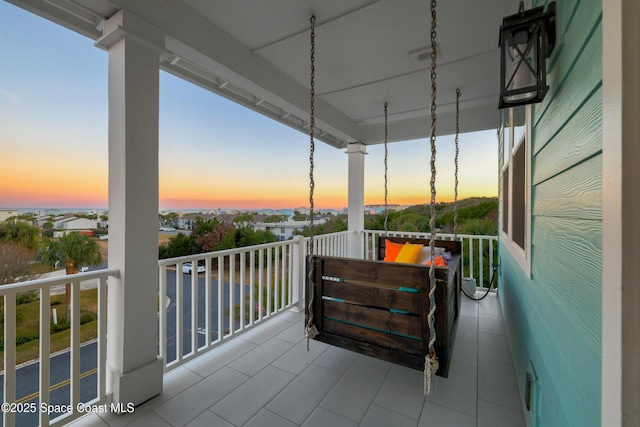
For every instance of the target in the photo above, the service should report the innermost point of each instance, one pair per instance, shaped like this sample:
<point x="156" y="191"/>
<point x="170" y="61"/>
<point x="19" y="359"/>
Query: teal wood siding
<point x="554" y="316"/>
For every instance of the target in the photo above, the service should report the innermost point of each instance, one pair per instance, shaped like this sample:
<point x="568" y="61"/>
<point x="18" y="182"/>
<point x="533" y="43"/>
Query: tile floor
<point x="266" y="377"/>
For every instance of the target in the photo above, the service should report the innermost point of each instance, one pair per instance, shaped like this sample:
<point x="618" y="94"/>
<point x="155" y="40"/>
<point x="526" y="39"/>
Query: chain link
<point x="455" y="195"/>
<point x="386" y="155"/>
<point x="431" y="363"/>
<point x="310" y="330"/>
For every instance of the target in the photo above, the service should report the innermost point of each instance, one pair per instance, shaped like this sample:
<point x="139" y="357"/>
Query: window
<point x="515" y="137"/>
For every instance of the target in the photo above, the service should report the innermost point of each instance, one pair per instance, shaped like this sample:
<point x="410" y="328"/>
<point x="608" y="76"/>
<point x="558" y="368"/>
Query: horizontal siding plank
<point x="580" y="139"/>
<point x="575" y="243"/>
<point x="583" y="79"/>
<point x="576" y="193"/>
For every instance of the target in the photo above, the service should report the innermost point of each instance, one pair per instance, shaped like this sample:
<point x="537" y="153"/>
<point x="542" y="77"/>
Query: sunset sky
<point x="213" y="153"/>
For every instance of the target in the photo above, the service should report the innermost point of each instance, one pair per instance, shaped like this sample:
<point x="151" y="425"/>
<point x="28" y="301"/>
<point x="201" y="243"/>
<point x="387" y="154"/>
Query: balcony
<point x="258" y="345"/>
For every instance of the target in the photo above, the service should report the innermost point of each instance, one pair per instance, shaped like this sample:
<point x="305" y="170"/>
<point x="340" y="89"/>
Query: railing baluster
<point x="269" y="282"/>
<point x="220" y="298"/>
<point x="102" y="335"/>
<point x="179" y="312"/>
<point x="75" y="343"/>
<point x="242" y="289"/>
<point x="260" y="283"/>
<point x="162" y="295"/>
<point x="194" y="307"/>
<point x="276" y="277"/>
<point x="232" y="294"/>
<point x="9" y="354"/>
<point x="252" y="278"/>
<point x="45" y="350"/>
<point x="207" y="302"/>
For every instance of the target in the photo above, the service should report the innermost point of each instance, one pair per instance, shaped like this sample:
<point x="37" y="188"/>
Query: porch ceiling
<point x="256" y="52"/>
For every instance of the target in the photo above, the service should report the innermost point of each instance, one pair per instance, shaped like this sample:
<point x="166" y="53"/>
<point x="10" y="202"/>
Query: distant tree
<point x="178" y="245"/>
<point x="275" y="218"/>
<point x="16" y="263"/>
<point x="73" y="250"/>
<point x="20" y="233"/>
<point x="297" y="216"/>
<point x="243" y="220"/>
<point x="248" y="237"/>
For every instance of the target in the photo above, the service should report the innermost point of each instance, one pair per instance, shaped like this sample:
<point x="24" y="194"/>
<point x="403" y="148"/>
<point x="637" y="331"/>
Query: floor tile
<point x="194" y="401"/>
<point x="258" y="358"/>
<point x="209" y="419"/>
<point x="265" y="418"/>
<point x="491" y="305"/>
<point x="214" y="360"/>
<point x="298" y="400"/>
<point x="458" y="392"/>
<point x="492" y="415"/>
<point x="294" y="333"/>
<point x="494" y="347"/>
<point x="378" y="416"/>
<point x="89" y="420"/>
<point x="465" y="351"/>
<point x="263" y="333"/>
<point x="322" y="418"/>
<point x="247" y="400"/>
<point x="150" y="420"/>
<point x="491" y="323"/>
<point x="497" y="383"/>
<point x="468" y="326"/>
<point x="402" y="392"/>
<point x="335" y="358"/>
<point x="469" y="307"/>
<point x="298" y="358"/>
<point x="438" y="416"/>
<point x="355" y="391"/>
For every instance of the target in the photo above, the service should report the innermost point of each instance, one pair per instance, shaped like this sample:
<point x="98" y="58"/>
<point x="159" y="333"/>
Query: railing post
<point x="298" y="272"/>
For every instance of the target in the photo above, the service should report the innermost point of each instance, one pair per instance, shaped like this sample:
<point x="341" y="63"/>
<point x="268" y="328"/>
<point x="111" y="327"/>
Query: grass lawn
<point x="28" y="325"/>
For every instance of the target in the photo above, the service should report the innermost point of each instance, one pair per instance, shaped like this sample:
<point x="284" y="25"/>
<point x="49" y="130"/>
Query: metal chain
<point x="431" y="362"/>
<point x="310" y="330"/>
<point x="386" y="155"/>
<point x="455" y="195"/>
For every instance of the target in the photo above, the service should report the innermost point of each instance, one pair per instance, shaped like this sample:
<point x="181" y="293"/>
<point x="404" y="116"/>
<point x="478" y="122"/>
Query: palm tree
<point x="73" y="250"/>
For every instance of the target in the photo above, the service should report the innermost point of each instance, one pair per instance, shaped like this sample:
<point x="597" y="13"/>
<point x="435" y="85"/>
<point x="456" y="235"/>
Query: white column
<point x="356" y="152"/>
<point x="621" y="210"/>
<point x="134" y="371"/>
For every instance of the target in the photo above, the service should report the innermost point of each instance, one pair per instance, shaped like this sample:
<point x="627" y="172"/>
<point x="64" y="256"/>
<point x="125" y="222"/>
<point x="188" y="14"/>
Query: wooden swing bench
<point x="380" y="308"/>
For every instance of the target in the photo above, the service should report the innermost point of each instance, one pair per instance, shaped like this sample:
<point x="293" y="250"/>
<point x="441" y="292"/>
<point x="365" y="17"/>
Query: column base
<point x="137" y="386"/>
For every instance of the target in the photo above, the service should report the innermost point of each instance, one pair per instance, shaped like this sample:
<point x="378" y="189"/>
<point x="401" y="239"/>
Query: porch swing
<point x="404" y="313"/>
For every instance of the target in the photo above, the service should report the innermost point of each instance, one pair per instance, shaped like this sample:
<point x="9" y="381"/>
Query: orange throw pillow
<point x="392" y="250"/>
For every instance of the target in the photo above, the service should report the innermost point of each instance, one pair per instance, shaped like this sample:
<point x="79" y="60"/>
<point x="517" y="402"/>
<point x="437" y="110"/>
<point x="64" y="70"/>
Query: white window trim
<point x="520" y="255"/>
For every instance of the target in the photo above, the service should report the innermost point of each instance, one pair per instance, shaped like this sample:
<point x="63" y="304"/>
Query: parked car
<point x="187" y="268"/>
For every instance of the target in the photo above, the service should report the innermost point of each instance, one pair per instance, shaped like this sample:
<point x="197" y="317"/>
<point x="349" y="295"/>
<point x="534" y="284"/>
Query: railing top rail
<point x="235" y="251"/>
<point x="418" y="234"/>
<point x="56" y="281"/>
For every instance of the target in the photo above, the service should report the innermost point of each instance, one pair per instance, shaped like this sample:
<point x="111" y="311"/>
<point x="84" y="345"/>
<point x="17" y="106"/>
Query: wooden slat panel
<point x="413" y="361"/>
<point x="373" y="296"/>
<point x="403" y="324"/>
<point x="373" y="272"/>
<point x="406" y="345"/>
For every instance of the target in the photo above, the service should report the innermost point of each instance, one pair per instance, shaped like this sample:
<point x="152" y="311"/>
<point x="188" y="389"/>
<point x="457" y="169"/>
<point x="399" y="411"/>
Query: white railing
<point x="34" y="408"/>
<point x="238" y="289"/>
<point x="258" y="282"/>
<point x="479" y="253"/>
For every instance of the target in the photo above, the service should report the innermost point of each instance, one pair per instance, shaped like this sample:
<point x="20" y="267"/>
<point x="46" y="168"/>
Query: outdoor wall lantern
<point x="526" y="40"/>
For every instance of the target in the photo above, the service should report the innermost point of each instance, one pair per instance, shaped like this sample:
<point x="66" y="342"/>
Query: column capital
<point x="356" y="147"/>
<point x="124" y="24"/>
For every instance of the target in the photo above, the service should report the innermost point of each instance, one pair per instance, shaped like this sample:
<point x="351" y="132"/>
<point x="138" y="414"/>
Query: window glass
<point x="519" y="195"/>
